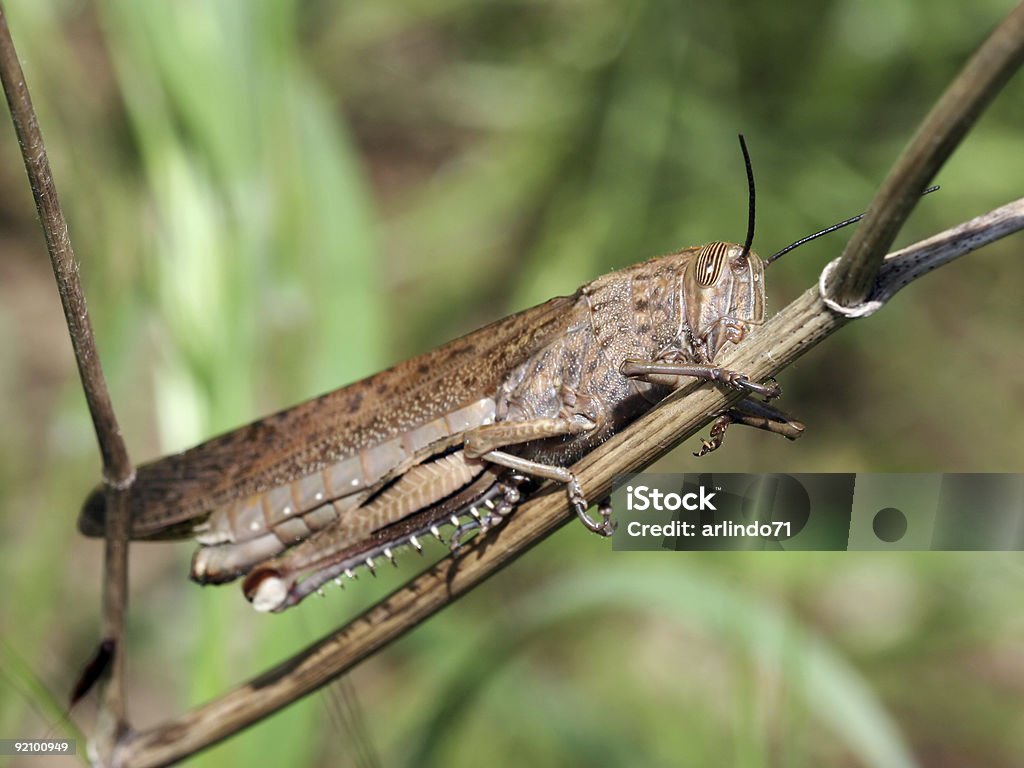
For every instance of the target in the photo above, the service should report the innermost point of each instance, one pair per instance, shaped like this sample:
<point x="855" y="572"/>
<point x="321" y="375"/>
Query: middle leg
<point x="484" y="442"/>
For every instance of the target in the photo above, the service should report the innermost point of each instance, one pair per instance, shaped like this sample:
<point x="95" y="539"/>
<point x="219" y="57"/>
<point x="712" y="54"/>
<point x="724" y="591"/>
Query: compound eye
<point x="710" y="260"/>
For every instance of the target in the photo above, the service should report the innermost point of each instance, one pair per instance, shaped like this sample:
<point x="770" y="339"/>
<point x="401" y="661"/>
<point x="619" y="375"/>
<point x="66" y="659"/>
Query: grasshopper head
<point x="723" y="293"/>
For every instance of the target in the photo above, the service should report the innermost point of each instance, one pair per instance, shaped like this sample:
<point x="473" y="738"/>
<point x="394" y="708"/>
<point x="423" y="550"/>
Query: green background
<point x="270" y="199"/>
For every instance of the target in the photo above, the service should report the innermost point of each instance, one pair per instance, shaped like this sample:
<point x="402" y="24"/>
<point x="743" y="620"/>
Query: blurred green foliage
<point x="270" y="199"/>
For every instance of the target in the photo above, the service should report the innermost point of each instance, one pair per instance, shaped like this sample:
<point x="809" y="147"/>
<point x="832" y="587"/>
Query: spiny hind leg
<point x="751" y="413"/>
<point x="668" y="373"/>
<point x="495" y="514"/>
<point x="484" y="442"/>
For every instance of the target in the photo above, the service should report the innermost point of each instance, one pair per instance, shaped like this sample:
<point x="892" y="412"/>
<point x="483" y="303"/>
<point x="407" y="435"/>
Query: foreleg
<point x="663" y="372"/>
<point x="752" y="413"/>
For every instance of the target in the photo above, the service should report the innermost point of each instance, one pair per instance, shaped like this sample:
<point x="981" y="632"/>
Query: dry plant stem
<point x="116" y="464"/>
<point x="117" y="467"/>
<point x="764" y="353"/>
<point x="901" y="268"/>
<point x="965" y="99"/>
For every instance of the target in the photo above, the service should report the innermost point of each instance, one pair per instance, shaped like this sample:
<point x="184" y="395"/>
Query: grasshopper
<point x="458" y="434"/>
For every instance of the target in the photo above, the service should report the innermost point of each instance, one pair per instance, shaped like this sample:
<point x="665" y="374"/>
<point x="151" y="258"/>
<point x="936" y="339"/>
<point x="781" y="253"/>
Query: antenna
<point x="827" y="230"/>
<point x="750" y="197"/>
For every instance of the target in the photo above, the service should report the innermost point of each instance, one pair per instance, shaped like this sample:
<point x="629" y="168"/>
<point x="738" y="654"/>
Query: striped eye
<point x="709" y="263"/>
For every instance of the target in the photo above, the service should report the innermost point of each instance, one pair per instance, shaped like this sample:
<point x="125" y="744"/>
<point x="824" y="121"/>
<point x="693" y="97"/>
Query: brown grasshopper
<point x="457" y="434"/>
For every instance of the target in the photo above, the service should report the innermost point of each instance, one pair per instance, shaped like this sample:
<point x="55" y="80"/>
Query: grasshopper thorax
<point x="723" y="293"/>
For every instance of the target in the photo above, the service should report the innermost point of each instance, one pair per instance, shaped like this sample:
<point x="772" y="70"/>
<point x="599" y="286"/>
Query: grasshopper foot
<point x="769" y="390"/>
<point x="606" y="526"/>
<point x="717" y="435"/>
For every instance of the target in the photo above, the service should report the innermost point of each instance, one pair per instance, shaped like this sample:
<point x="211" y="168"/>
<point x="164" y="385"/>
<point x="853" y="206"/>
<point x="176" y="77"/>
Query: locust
<point x="459" y="435"/>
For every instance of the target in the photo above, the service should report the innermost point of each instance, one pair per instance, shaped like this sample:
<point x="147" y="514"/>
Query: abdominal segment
<point x="353" y="497"/>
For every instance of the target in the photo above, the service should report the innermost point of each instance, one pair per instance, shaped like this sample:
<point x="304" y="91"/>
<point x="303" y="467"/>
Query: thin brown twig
<point x="118" y="470"/>
<point x="981" y="78"/>
<point x="787" y="336"/>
